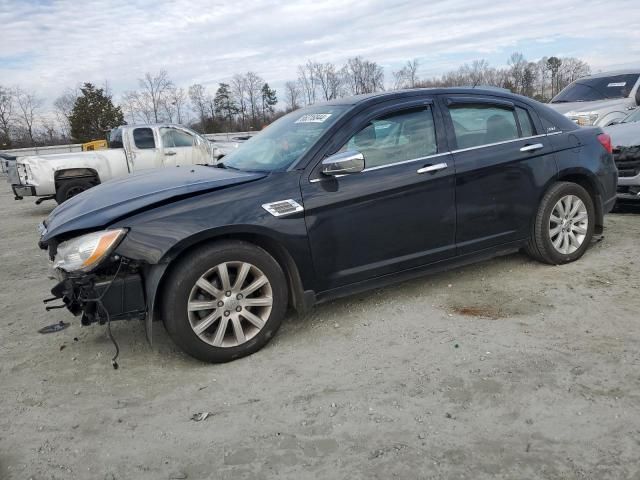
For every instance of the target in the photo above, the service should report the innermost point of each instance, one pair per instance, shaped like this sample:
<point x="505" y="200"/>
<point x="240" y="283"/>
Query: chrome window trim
<point x="402" y="162"/>
<point x="435" y="155"/>
<point x="497" y="143"/>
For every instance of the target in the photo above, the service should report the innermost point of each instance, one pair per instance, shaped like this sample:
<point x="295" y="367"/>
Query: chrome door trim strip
<point x="451" y="152"/>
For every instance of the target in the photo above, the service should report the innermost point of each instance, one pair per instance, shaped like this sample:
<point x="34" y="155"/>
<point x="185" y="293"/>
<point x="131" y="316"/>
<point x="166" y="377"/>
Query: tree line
<point x="247" y="101"/>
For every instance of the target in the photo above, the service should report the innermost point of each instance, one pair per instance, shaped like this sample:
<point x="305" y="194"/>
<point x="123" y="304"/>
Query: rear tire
<point x="563" y="226"/>
<point x="72" y="187"/>
<point x="211" y="307"/>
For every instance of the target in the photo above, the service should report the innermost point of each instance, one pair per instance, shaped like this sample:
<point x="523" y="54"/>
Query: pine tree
<point x="269" y="100"/>
<point x="224" y="104"/>
<point x="93" y="114"/>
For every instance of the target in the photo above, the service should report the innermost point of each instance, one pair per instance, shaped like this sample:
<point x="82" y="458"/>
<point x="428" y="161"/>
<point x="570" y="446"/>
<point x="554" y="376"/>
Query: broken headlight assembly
<point x="84" y="253"/>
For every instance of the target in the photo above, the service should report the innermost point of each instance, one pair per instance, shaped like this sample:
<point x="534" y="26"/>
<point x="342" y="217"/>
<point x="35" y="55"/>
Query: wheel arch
<point x="589" y="182"/>
<point x="73" y="173"/>
<point x="298" y="299"/>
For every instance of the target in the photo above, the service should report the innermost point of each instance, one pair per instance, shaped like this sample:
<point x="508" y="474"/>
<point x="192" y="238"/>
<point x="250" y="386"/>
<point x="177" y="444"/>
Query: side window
<point x="167" y="137"/>
<point x="182" y="139"/>
<point x="395" y="138"/>
<point x="143" y="138"/>
<point x="476" y="125"/>
<point x="526" y="126"/>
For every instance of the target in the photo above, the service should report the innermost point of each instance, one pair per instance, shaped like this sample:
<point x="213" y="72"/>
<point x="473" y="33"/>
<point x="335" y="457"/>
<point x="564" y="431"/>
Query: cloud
<point x="53" y="45"/>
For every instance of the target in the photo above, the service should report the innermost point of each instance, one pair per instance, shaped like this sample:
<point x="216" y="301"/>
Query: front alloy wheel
<point x="224" y="301"/>
<point x="230" y="304"/>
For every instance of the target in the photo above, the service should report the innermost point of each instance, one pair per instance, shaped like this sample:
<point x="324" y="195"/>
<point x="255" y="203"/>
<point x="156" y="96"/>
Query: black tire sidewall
<point x="66" y="185"/>
<point x="562" y="190"/>
<point x="183" y="277"/>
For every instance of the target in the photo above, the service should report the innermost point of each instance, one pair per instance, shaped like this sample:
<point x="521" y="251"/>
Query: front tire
<point x="563" y="226"/>
<point x="224" y="301"/>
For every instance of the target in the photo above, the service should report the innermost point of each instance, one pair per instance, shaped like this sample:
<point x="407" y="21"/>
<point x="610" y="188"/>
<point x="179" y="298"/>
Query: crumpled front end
<point x="94" y="280"/>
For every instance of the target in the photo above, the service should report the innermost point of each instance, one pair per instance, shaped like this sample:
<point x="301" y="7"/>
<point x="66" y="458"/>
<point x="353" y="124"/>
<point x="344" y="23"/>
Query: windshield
<point x="600" y="88"/>
<point x="283" y="142"/>
<point x="634" y="117"/>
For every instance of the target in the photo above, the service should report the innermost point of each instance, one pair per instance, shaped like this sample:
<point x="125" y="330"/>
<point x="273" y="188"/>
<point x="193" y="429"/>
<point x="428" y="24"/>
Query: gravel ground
<point x="505" y="369"/>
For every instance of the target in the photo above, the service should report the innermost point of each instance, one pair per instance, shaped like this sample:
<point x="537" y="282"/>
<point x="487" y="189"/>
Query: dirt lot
<point x="506" y="369"/>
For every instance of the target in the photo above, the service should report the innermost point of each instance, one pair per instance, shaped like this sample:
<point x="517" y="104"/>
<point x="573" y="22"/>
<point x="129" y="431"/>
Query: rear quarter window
<point x="143" y="138"/>
<point x="482" y="124"/>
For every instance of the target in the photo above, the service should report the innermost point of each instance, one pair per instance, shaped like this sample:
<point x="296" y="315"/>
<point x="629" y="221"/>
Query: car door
<point x="144" y="152"/>
<point x="502" y="164"/>
<point x="177" y="146"/>
<point x="398" y="213"/>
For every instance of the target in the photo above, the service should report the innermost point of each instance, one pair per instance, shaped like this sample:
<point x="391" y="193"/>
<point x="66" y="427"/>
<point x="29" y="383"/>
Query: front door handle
<point x="532" y="148"/>
<point x="432" y="168"/>
<point x="169" y="153"/>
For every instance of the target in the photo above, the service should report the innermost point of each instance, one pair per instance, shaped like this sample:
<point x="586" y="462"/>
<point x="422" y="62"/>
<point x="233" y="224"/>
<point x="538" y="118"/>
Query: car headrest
<point x="365" y="137"/>
<point x="499" y="129"/>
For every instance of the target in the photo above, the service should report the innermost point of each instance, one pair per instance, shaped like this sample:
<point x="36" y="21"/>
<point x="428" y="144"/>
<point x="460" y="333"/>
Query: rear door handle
<point x="532" y="148"/>
<point x="432" y="168"/>
<point x="169" y="153"/>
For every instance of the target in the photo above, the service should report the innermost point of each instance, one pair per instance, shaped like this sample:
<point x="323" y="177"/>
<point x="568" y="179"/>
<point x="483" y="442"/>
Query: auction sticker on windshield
<point x="618" y="84"/>
<point x="313" y="118"/>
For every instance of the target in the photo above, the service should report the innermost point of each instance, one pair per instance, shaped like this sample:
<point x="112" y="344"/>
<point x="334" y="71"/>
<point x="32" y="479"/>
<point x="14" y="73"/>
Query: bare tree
<point x="156" y="88"/>
<point x="239" y="89"/>
<point x="307" y="81"/>
<point x="328" y="78"/>
<point x="363" y="76"/>
<point x="407" y="76"/>
<point x="292" y="96"/>
<point x="28" y="106"/>
<point x="253" y="84"/>
<point x="198" y="97"/>
<point x="175" y="104"/>
<point x="7" y="104"/>
<point x="138" y="106"/>
<point x="63" y="107"/>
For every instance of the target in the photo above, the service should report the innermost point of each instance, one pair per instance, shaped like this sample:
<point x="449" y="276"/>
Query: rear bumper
<point x="20" y="191"/>
<point x="625" y="181"/>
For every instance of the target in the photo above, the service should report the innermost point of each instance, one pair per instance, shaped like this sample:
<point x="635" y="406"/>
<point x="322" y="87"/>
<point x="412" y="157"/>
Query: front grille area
<point x="627" y="160"/>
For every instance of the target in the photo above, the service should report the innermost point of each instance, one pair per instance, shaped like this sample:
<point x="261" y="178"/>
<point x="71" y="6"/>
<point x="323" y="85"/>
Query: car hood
<point x="104" y="204"/>
<point x="624" y="134"/>
<point x="596" y="106"/>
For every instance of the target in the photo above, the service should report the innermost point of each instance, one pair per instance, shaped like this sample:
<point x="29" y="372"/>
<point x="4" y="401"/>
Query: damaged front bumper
<point x="103" y="298"/>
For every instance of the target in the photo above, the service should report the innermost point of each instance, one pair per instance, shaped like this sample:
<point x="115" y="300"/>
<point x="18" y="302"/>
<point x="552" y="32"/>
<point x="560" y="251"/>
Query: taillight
<point x="605" y="141"/>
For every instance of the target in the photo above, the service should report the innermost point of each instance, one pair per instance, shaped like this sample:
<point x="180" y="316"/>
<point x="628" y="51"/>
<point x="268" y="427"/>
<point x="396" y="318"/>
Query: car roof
<point x="148" y="125"/>
<point x="628" y="71"/>
<point x="391" y="94"/>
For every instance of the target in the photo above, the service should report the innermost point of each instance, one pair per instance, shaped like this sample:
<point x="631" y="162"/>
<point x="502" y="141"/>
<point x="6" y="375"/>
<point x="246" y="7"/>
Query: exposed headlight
<point x="583" y="118"/>
<point x="84" y="253"/>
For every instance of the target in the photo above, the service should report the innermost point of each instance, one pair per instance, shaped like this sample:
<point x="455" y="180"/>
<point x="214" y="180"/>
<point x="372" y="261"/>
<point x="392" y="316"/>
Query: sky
<point x="51" y="45"/>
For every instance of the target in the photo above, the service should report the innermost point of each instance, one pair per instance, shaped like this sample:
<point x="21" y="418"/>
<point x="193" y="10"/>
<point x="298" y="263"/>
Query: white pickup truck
<point x="131" y="148"/>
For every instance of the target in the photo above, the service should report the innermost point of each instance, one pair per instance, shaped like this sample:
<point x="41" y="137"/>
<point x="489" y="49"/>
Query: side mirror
<point x="343" y="163"/>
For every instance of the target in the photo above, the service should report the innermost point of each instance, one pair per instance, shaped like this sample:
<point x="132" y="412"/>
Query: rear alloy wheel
<point x="568" y="224"/>
<point x="224" y="301"/>
<point x="564" y="224"/>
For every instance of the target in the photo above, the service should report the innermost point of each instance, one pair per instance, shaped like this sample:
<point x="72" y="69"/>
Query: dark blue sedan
<point x="327" y="201"/>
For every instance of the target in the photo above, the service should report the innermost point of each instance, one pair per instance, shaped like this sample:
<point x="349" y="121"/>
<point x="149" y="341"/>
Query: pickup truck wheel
<point x="72" y="187"/>
<point x="563" y="226"/>
<point x="224" y="301"/>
